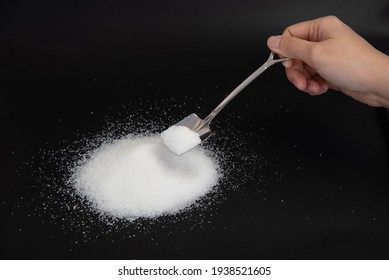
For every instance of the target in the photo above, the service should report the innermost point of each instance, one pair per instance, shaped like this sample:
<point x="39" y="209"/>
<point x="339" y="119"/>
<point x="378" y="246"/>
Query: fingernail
<point x="274" y="42"/>
<point x="312" y="88"/>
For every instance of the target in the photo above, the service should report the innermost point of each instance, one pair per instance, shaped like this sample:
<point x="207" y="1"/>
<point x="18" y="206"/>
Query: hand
<point x="327" y="54"/>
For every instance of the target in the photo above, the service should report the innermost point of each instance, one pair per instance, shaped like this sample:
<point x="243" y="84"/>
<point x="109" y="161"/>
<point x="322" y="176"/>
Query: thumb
<point x="288" y="46"/>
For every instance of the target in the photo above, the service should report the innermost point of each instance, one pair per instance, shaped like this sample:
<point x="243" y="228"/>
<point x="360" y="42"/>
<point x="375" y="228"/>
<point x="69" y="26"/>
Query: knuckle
<point x="287" y="31"/>
<point x="332" y="19"/>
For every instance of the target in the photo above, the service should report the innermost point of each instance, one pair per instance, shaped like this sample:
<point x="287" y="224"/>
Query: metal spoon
<point x="201" y="126"/>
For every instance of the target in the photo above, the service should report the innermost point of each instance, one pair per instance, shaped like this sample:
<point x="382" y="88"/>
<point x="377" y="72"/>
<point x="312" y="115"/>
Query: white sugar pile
<point x="139" y="177"/>
<point x="180" y="139"/>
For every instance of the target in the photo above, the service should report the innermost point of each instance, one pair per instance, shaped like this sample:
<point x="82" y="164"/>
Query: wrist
<point x="383" y="83"/>
<point x="379" y="79"/>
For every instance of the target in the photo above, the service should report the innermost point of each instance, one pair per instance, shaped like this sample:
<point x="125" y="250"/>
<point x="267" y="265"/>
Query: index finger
<point x="310" y="30"/>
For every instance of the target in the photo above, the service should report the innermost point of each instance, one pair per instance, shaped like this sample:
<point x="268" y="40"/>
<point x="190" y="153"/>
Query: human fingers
<point x="297" y="76"/>
<point x="314" y="30"/>
<point x="299" y="40"/>
<point x="293" y="47"/>
<point x="316" y="85"/>
<point x="306" y="79"/>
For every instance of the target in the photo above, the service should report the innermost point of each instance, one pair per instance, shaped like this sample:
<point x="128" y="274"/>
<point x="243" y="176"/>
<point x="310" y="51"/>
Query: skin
<point x="327" y="54"/>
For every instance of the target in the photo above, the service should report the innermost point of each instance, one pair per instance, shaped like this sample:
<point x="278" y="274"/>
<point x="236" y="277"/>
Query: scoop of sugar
<point x="180" y="139"/>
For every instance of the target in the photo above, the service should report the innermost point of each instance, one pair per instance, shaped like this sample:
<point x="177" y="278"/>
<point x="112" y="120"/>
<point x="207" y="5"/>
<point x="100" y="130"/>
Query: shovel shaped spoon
<point x="201" y="126"/>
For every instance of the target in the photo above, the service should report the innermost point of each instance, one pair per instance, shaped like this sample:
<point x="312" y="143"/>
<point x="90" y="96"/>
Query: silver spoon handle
<point x="239" y="88"/>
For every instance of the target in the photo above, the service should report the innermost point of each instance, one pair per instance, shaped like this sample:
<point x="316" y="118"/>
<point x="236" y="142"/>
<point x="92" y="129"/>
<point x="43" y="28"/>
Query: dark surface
<point x="323" y="193"/>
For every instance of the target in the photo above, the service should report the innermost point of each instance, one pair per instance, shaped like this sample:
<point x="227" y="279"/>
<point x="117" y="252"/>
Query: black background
<point x="67" y="66"/>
